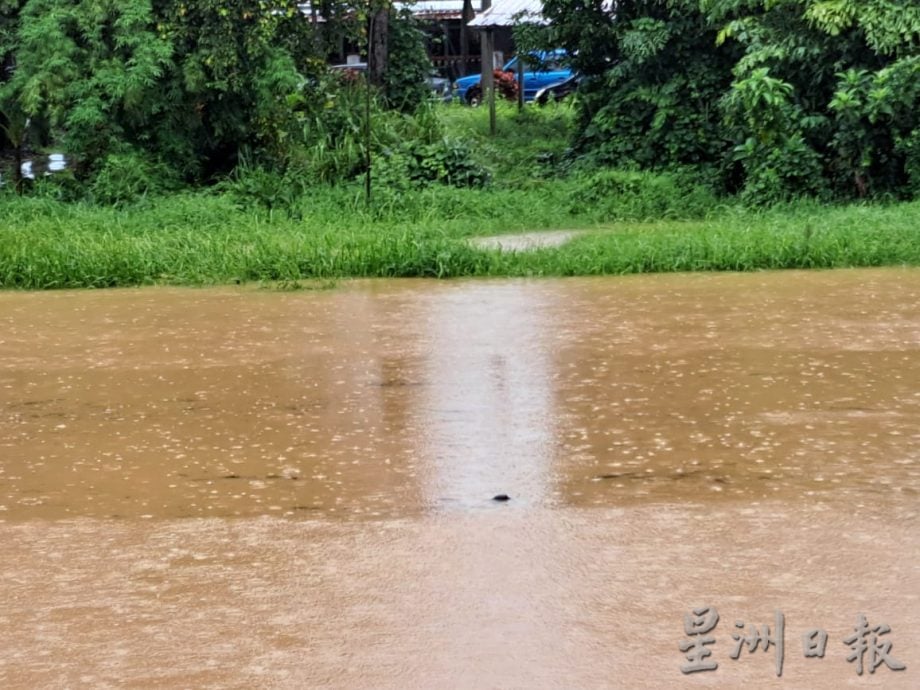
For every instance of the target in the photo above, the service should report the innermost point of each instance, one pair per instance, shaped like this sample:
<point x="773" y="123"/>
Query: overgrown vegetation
<point x="187" y="87"/>
<point x="208" y="142"/>
<point x="772" y="99"/>
<point x="255" y="228"/>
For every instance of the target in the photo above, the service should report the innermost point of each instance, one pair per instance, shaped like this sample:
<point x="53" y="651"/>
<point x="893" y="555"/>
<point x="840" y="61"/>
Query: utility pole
<point x="487" y="81"/>
<point x="367" y="106"/>
<point x="378" y="18"/>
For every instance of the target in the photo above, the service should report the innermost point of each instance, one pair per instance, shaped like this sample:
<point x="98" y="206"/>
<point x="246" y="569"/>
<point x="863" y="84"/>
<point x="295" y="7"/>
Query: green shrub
<point x="747" y="87"/>
<point x="61" y="186"/>
<point x="448" y="161"/>
<point x="627" y="195"/>
<point x="124" y="178"/>
<point x="404" y="80"/>
<point x="909" y="147"/>
<point x="255" y="186"/>
<point x="780" y="173"/>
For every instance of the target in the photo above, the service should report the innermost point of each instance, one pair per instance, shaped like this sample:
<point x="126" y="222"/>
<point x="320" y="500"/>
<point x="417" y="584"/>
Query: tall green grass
<point x="206" y="240"/>
<point x="796" y="237"/>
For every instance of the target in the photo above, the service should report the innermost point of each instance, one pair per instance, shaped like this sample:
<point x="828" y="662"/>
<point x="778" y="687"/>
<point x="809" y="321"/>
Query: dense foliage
<point x="146" y="95"/>
<point x="9" y="26"/>
<point x="773" y="98"/>
<point x="262" y="226"/>
<point x="408" y="63"/>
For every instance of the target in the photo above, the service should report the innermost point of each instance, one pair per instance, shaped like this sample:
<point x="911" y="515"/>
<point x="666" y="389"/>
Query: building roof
<point x="509" y="13"/>
<point x="424" y="9"/>
<point x="436" y="6"/>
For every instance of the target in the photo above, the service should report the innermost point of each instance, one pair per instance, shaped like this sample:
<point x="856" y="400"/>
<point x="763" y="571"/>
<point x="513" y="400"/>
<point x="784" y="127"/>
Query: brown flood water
<point x="244" y="488"/>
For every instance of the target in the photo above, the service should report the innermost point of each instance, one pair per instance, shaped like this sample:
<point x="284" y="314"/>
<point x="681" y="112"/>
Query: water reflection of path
<point x="485" y="425"/>
<point x="487" y="409"/>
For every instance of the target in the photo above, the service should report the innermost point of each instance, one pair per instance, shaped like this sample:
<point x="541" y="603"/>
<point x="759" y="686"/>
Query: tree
<point x="779" y="97"/>
<point x="378" y="42"/>
<point x="9" y="25"/>
<point x="654" y="77"/>
<point x="183" y="89"/>
<point x="92" y="68"/>
<point x="233" y="79"/>
<point x="186" y="81"/>
<point x="836" y="62"/>
<point x="408" y="65"/>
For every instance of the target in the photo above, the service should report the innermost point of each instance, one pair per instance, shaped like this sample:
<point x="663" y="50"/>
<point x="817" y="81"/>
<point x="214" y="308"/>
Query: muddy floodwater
<point x="249" y="488"/>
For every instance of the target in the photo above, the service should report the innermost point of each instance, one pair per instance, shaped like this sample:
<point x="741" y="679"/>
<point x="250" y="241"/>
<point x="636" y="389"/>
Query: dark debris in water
<point x="648" y="476"/>
<point x="395" y="383"/>
<point x="292" y="477"/>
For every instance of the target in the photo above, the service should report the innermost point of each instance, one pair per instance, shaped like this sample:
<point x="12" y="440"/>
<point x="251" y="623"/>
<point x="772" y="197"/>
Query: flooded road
<point x="248" y="488"/>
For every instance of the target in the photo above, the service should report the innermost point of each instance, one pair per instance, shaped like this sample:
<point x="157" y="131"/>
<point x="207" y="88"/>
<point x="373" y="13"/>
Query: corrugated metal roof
<point x="423" y="7"/>
<point x="428" y="6"/>
<point x="511" y="12"/>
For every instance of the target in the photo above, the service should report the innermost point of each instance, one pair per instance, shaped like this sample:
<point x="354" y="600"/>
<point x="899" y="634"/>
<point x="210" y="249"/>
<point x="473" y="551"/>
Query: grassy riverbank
<point x="192" y="240"/>
<point x="209" y="237"/>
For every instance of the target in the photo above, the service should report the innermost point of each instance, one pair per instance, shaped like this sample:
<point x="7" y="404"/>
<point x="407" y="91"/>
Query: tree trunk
<point x="5" y="141"/>
<point x="378" y="53"/>
<point x="487" y="81"/>
<point x="17" y="169"/>
<point x="6" y="71"/>
<point x="466" y="17"/>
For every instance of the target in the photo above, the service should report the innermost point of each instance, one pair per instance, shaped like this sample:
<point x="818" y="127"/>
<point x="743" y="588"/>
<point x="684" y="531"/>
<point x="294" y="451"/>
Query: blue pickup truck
<point x="540" y="70"/>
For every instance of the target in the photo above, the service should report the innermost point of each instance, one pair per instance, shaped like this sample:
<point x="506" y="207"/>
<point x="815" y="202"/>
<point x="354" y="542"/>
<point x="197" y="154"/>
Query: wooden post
<point x="445" y="35"/>
<point x="520" y="66"/>
<point x="466" y="16"/>
<point x="488" y="78"/>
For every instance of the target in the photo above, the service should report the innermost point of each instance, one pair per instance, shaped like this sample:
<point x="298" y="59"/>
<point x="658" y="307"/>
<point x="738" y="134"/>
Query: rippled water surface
<point x="244" y="488"/>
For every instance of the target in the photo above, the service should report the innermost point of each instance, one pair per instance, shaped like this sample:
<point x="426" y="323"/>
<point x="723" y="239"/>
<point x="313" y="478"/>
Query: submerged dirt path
<point x="526" y="241"/>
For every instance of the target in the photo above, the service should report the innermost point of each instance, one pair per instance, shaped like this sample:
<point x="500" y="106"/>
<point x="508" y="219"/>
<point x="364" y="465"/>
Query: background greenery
<point x="208" y="142"/>
<point x="186" y="89"/>
<point x="258" y="227"/>
<point x="772" y="99"/>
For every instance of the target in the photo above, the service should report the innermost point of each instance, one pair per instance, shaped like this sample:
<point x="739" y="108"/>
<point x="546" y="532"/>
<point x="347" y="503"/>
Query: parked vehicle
<point x="440" y="87"/>
<point x="558" y="91"/>
<point x="541" y="69"/>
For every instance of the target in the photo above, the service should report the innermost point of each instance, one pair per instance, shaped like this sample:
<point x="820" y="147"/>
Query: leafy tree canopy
<point x="772" y="97"/>
<point x="185" y="84"/>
